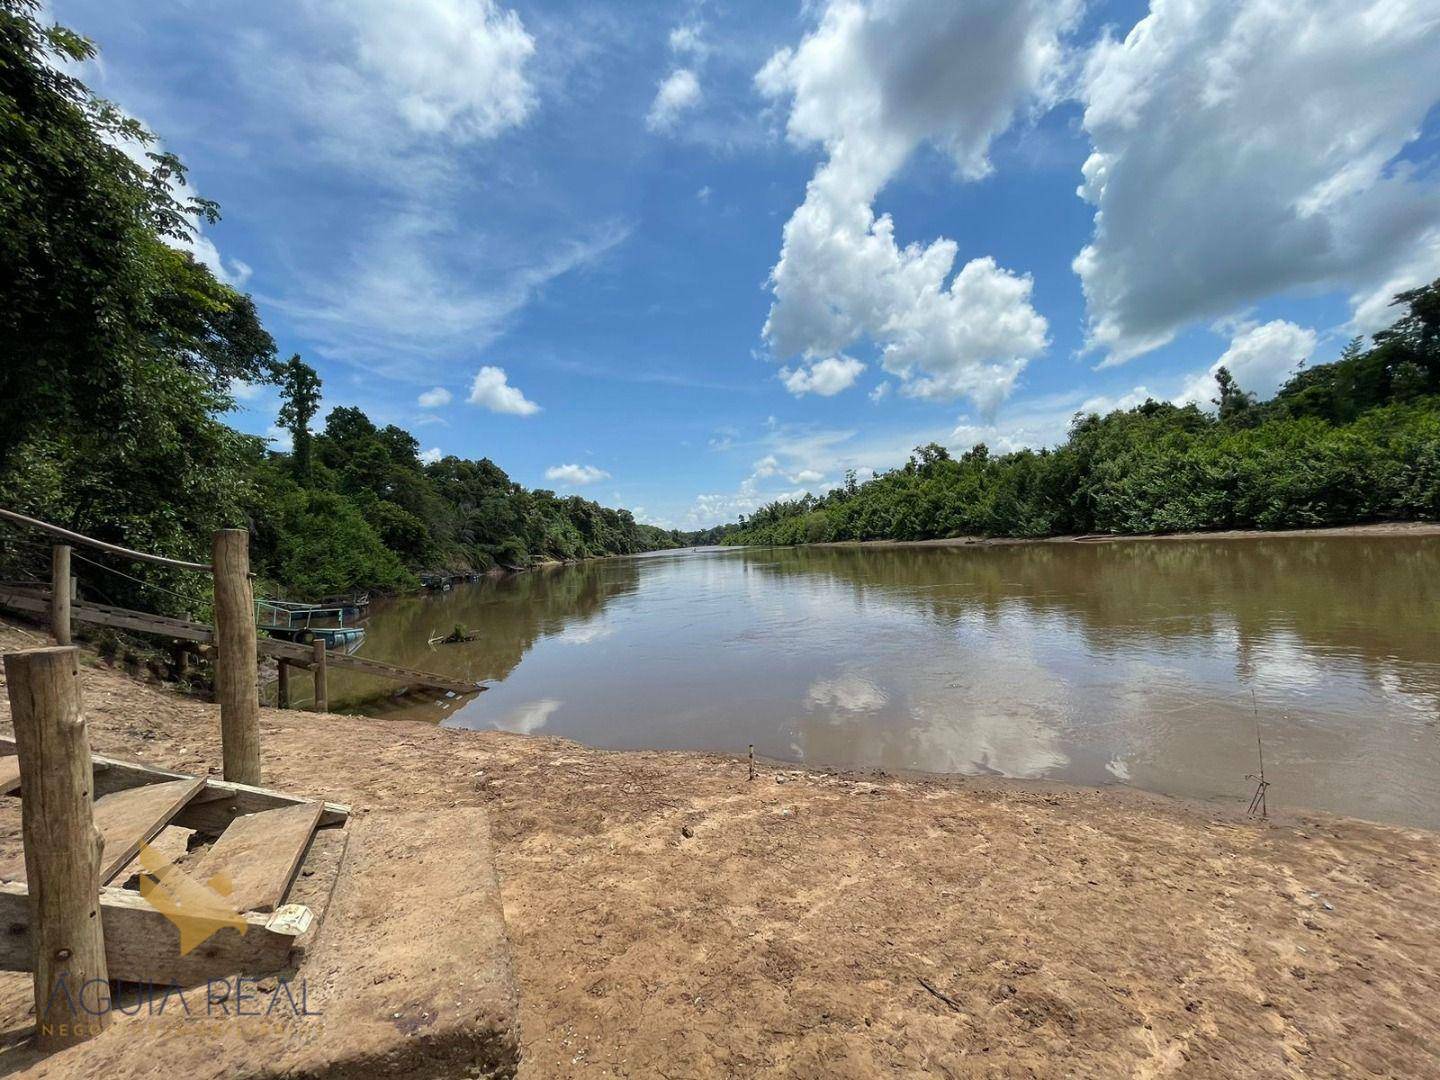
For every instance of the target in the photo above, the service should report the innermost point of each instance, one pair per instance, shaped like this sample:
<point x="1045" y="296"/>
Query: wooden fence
<point x="233" y="641"/>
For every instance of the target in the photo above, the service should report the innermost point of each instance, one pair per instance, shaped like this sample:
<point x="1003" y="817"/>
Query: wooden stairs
<point x="244" y="897"/>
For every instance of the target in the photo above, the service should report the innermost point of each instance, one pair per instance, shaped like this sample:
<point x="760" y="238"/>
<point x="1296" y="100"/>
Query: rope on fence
<point x="138" y="581"/>
<point x="101" y="545"/>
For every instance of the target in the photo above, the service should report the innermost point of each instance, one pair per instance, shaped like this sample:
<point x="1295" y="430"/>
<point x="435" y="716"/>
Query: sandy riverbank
<point x="1375" y="529"/>
<point x="670" y="918"/>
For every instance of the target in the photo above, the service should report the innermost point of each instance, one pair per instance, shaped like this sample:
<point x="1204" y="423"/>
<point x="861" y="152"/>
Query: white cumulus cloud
<point x="429" y="457"/>
<point x="241" y="390"/>
<point x="451" y="68"/>
<point x="1244" y="148"/>
<point x="871" y="83"/>
<point x="576" y="475"/>
<point x="1261" y="358"/>
<point x="433" y="399"/>
<point x="689" y="38"/>
<point x="678" y="93"/>
<point x="492" y="390"/>
<point x="824" y="377"/>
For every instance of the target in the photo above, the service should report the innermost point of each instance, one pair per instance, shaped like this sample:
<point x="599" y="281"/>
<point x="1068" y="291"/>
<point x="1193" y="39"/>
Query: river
<point x="1141" y="662"/>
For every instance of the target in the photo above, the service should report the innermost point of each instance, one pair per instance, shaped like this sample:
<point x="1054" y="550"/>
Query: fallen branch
<point x="943" y="997"/>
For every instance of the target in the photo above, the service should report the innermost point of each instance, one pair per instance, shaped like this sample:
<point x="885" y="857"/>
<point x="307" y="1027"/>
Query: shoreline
<point x="666" y="914"/>
<point x="1375" y="529"/>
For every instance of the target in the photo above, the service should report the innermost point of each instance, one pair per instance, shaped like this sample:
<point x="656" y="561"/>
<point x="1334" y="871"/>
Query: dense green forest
<point x="120" y="352"/>
<point x="1350" y="441"/>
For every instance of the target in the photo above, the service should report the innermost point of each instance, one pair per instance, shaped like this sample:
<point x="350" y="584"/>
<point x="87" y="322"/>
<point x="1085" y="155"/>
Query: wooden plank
<point x="105" y="615"/>
<point x="128" y="818"/>
<point x="260" y="855"/>
<point x="143" y="945"/>
<point x="121" y="619"/>
<point x="9" y="774"/>
<point x="334" y="658"/>
<point x="100" y="615"/>
<point x="319" y="871"/>
<point x="109" y="775"/>
<point x="287" y="650"/>
<point x="390" y="671"/>
<point x="212" y="809"/>
<point x="25" y="599"/>
<point x="223" y="801"/>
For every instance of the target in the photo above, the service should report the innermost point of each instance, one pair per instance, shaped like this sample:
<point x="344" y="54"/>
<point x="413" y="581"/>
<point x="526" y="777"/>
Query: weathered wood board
<point x="120" y="618"/>
<point x="9" y="774"/>
<point x="126" y="820"/>
<point x="129" y="818"/>
<point x="143" y="945"/>
<point x="260" y="854"/>
<point x="211" y="809"/>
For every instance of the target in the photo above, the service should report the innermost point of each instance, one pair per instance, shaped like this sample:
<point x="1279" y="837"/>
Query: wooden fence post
<point x="62" y="846"/>
<point x="236" y="682"/>
<point x="282" y="684"/>
<point x="322" y="691"/>
<point x="60" y="594"/>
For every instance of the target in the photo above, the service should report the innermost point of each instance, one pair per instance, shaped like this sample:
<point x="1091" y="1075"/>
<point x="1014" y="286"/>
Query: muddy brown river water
<point x="1142" y="663"/>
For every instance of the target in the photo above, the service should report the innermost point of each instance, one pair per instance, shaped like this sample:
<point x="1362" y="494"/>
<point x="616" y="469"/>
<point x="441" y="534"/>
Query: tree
<point x="1419" y="327"/>
<point x="1354" y="440"/>
<point x="1232" y="400"/>
<point x="927" y="457"/>
<point x="96" y="304"/>
<point x="300" y="399"/>
<point x="117" y="356"/>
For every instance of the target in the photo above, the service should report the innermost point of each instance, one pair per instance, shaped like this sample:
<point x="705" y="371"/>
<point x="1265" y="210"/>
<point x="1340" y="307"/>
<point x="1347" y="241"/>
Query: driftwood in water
<point x="459" y="636"/>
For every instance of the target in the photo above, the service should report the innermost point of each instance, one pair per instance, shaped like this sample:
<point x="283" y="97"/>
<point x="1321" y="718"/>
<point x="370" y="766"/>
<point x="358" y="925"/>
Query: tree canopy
<point x="120" y="351"/>
<point x="1350" y="441"/>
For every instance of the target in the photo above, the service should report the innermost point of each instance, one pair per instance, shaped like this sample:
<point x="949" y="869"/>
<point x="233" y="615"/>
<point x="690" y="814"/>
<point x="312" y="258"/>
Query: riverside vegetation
<point x="121" y="353"/>
<point x="1352" y="441"/>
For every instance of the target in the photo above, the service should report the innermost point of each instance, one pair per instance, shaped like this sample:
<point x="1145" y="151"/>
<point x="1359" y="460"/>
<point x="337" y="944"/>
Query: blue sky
<point x="688" y="257"/>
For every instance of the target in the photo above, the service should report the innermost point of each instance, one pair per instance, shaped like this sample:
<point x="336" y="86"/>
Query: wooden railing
<point x="234" y="643"/>
<point x="234" y="635"/>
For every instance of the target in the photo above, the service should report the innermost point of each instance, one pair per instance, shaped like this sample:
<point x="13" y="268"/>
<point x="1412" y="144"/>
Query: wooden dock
<point x="37" y="600"/>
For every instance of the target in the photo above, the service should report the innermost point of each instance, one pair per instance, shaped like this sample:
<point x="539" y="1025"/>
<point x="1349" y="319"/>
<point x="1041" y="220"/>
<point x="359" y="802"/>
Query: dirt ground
<point x="671" y="918"/>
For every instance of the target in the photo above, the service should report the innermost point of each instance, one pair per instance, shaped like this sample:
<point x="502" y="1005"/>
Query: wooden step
<point x="9" y="775"/>
<point x="259" y="854"/>
<point x="126" y="819"/>
<point x="129" y="818"/>
<point x="143" y="943"/>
